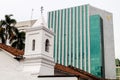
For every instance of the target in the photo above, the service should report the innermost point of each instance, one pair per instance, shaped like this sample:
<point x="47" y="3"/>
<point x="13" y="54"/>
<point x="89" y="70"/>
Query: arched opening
<point x="33" y="45"/>
<point x="47" y="45"/>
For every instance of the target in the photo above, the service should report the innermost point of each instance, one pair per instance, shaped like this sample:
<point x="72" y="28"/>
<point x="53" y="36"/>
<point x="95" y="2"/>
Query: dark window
<point x="47" y="45"/>
<point x="33" y="45"/>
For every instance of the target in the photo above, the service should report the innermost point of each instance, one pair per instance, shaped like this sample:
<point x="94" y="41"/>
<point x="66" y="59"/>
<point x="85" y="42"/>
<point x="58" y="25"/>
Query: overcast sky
<point x="21" y="9"/>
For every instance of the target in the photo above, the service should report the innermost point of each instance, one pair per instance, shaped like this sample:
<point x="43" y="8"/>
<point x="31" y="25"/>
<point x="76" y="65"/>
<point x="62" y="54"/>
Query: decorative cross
<point x="41" y="9"/>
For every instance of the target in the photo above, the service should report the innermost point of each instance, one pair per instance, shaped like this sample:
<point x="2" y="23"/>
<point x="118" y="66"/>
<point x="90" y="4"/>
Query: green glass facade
<point x="96" y="45"/>
<point x="78" y="38"/>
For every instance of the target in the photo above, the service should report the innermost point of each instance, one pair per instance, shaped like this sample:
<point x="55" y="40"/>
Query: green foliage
<point x="18" y="41"/>
<point x="2" y="35"/>
<point x="9" y="32"/>
<point x="117" y="61"/>
<point x="7" y="28"/>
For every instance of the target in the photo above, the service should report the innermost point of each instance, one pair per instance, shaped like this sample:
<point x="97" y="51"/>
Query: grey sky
<point x="21" y="9"/>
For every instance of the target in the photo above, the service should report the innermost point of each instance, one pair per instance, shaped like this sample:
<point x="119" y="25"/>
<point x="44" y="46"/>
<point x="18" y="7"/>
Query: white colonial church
<point x="37" y="62"/>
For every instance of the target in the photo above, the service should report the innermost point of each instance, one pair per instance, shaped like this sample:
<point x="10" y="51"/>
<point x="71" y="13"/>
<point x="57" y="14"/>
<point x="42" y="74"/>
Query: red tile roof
<point x="78" y="72"/>
<point x="12" y="50"/>
<point x="70" y="70"/>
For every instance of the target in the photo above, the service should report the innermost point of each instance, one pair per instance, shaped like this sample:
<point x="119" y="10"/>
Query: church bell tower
<point x="39" y="49"/>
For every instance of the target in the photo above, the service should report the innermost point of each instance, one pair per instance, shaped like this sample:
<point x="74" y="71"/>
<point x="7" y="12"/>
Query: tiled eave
<point x="78" y="72"/>
<point x="12" y="50"/>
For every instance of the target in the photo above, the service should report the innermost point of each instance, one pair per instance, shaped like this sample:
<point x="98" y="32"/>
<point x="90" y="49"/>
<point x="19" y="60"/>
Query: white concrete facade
<point x="37" y="59"/>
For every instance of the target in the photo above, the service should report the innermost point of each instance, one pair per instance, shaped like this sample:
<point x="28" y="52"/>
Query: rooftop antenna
<point x="31" y="17"/>
<point x="41" y="10"/>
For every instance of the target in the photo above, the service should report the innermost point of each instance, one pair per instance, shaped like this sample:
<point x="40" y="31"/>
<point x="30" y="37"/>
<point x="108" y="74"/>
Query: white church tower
<point x="39" y="49"/>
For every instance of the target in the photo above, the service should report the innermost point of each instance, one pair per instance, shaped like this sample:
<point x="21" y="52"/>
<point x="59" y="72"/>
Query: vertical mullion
<point x="68" y="18"/>
<point x="59" y="51"/>
<point x="61" y="38"/>
<point x="56" y="37"/>
<point x="73" y="27"/>
<point x="77" y="49"/>
<point x="69" y="37"/>
<point x="53" y="25"/>
<point x="62" y="33"/>
<point x="79" y="37"/>
<point x="66" y="37"/>
<point x="84" y="39"/>
<point x="88" y="40"/>
<point x="72" y="37"/>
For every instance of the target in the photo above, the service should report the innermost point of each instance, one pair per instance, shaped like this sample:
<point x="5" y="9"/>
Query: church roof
<point x="69" y="69"/>
<point x="77" y="72"/>
<point x="12" y="50"/>
<point x="40" y="22"/>
<point x="23" y="24"/>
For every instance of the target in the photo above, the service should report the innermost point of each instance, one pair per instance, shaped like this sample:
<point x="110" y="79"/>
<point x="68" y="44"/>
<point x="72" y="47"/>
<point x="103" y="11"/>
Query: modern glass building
<point x="84" y="39"/>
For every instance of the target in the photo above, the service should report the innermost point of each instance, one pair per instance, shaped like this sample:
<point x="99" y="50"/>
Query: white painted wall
<point x="11" y="69"/>
<point x="39" y="35"/>
<point x="59" y="78"/>
<point x="39" y="61"/>
<point x="29" y="37"/>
